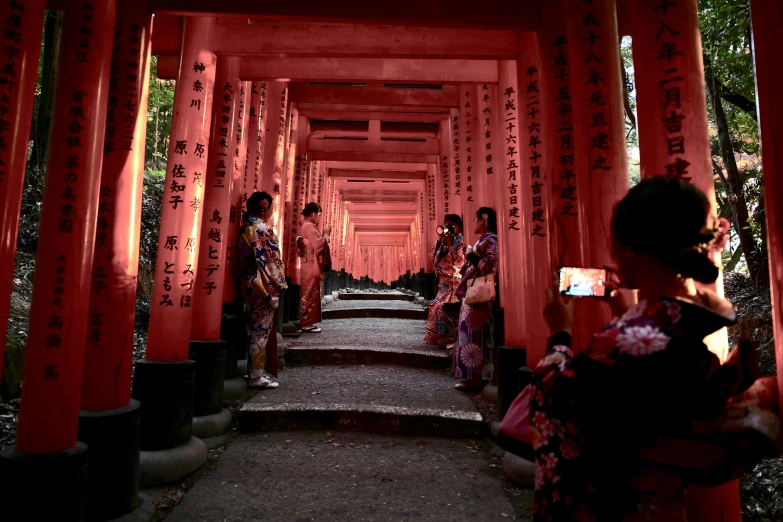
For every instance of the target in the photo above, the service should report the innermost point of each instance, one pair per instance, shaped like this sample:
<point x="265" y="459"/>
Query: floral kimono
<point x="619" y="431"/>
<point x="311" y="276"/>
<point x="474" y="359"/>
<point x="261" y="282"/>
<point x="441" y="327"/>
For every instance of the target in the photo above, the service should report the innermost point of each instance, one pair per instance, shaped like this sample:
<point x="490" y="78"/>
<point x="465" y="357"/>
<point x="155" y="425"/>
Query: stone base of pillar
<point x="114" y="439"/>
<point x="166" y="391"/>
<point x="490" y="393"/>
<point x="232" y="330"/>
<point x="510" y="360"/>
<point x="234" y="390"/>
<point x="144" y="513"/>
<point x="518" y="469"/>
<point x="49" y="486"/>
<point x="290" y="330"/>
<point x="210" y="358"/>
<point x="212" y="428"/>
<point x="160" y="467"/>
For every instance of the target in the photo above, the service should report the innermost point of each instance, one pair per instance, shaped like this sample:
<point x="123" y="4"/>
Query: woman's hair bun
<point x="694" y="263"/>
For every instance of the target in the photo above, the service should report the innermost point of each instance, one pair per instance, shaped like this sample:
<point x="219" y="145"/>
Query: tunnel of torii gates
<point x="390" y="117"/>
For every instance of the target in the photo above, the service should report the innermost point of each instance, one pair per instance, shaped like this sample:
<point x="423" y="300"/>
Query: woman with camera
<point x="474" y="361"/>
<point x="261" y="282"/>
<point x="316" y="259"/>
<point x="448" y="258"/>
<point x="621" y="428"/>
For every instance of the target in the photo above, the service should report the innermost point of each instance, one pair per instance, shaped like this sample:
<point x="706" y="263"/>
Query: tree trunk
<point x="756" y="265"/>
<point x="43" y="115"/>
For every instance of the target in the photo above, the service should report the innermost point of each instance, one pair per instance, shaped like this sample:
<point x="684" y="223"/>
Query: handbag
<point x="481" y="289"/>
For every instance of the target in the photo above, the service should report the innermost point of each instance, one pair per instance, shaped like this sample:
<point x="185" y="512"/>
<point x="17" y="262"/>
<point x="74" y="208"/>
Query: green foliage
<point x="159" y="113"/>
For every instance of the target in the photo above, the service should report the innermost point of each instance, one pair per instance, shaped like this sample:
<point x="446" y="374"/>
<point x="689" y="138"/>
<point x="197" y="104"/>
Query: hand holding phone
<point x="582" y="282"/>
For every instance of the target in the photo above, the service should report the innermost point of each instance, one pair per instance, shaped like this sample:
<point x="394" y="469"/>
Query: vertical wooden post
<point x="215" y="224"/>
<point x="58" y="318"/>
<point x="432" y="213"/>
<point x="470" y="157"/>
<point x="512" y="188"/>
<point x="444" y="167"/>
<point x="109" y="350"/>
<point x="599" y="124"/>
<point x="455" y="164"/>
<point x="274" y="147"/>
<point x="535" y="203"/>
<point x="176" y="265"/>
<point x="24" y="23"/>
<point x="767" y="20"/>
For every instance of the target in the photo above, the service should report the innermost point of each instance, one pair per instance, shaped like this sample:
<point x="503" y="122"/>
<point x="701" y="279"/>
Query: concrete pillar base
<point x="114" y="439"/>
<point x="329" y="299"/>
<point x="50" y="486"/>
<point x="519" y="470"/>
<point x="232" y="330"/>
<point x="208" y="426"/>
<point x="234" y="389"/>
<point x="144" y="513"/>
<point x="166" y="390"/>
<point x="288" y="328"/>
<point x="157" y="468"/>
<point x="490" y="393"/>
<point x="210" y="358"/>
<point x="336" y="295"/>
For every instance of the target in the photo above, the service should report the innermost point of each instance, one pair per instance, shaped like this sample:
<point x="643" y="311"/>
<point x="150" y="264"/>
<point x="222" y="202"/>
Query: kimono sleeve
<point x="488" y="261"/>
<point x="316" y="239"/>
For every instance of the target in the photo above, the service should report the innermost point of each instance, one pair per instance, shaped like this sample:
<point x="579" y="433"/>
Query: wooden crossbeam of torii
<point x="357" y="70"/>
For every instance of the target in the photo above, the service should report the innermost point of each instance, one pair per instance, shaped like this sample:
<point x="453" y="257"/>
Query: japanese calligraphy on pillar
<point x="226" y="123"/>
<point x="509" y="108"/>
<point x="444" y="172"/>
<point x="487" y="127"/>
<point x="596" y="83"/>
<point x="455" y="137"/>
<point x="467" y="120"/>
<point x="535" y="148"/>
<point x="261" y="133"/>
<point x="240" y="150"/>
<point x="565" y="181"/>
<point x="431" y="187"/>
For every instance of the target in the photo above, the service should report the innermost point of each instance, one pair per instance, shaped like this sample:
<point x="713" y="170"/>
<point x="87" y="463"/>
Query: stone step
<point x="423" y="356"/>
<point x="375" y="313"/>
<point x="368" y="296"/>
<point x="374" y="399"/>
<point x="319" y="476"/>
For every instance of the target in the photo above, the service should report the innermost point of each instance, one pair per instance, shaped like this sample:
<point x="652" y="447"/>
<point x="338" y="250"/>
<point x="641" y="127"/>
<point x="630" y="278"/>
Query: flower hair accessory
<point x="713" y="239"/>
<point x="485" y="217"/>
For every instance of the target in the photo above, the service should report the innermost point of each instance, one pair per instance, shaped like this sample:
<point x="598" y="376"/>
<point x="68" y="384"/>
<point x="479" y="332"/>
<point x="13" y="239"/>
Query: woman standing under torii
<point x="261" y="282"/>
<point x="314" y="250"/>
<point x="448" y="258"/>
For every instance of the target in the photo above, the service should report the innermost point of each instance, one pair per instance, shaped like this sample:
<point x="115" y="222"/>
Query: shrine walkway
<point x="366" y="425"/>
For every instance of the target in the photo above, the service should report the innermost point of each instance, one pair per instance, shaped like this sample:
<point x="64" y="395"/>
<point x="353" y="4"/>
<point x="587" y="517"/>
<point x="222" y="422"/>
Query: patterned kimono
<point x="474" y="359"/>
<point x="620" y="430"/>
<point x="259" y="259"/>
<point x="441" y="327"/>
<point x="310" y="275"/>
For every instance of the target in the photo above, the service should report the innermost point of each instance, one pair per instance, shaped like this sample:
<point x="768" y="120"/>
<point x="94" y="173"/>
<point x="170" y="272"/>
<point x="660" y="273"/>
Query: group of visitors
<point x="457" y="321"/>
<point x="261" y="278"/>
<point x="621" y="427"/>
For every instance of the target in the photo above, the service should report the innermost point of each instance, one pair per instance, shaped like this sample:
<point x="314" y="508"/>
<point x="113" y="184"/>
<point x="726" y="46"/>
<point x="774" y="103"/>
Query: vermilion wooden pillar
<point x="432" y="216"/>
<point x="599" y="125"/>
<point x="58" y="318"/>
<point x="215" y="221"/>
<point x="512" y="185"/>
<point x="767" y="20"/>
<point x="292" y="136"/>
<point x="24" y="23"/>
<point x="490" y="153"/>
<point x="298" y="198"/>
<point x="468" y="112"/>
<point x="535" y="194"/>
<point x="455" y="164"/>
<point x="176" y="265"/>
<point x="109" y="420"/>
<point x="674" y="142"/>
<point x="273" y="146"/>
<point x="444" y="167"/>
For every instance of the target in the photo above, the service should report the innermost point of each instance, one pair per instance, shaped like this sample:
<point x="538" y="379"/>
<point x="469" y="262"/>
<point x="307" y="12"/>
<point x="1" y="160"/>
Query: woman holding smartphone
<point x="474" y="362"/>
<point x="448" y="257"/>
<point x="621" y="430"/>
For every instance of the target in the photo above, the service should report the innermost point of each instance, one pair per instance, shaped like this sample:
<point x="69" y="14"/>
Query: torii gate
<point x="531" y="97"/>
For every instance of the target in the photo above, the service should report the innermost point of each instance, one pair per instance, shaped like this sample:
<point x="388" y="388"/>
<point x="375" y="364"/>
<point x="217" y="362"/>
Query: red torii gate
<point x="95" y="168"/>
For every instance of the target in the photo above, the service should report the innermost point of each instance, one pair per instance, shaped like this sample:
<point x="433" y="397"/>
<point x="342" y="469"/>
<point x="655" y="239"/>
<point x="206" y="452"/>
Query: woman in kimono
<point x="261" y="282"/>
<point x="622" y="427"/>
<point x="448" y="258"/>
<point x="474" y="360"/>
<point x="312" y="245"/>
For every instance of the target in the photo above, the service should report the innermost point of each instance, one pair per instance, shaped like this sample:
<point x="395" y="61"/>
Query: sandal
<point x="267" y="386"/>
<point x="468" y="388"/>
<point x="311" y="329"/>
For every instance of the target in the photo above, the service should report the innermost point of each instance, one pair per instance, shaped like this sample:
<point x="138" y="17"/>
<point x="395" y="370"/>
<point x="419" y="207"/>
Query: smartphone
<point x="582" y="282"/>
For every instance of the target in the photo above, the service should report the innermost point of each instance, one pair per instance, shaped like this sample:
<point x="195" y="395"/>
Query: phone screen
<point x="582" y="282"/>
